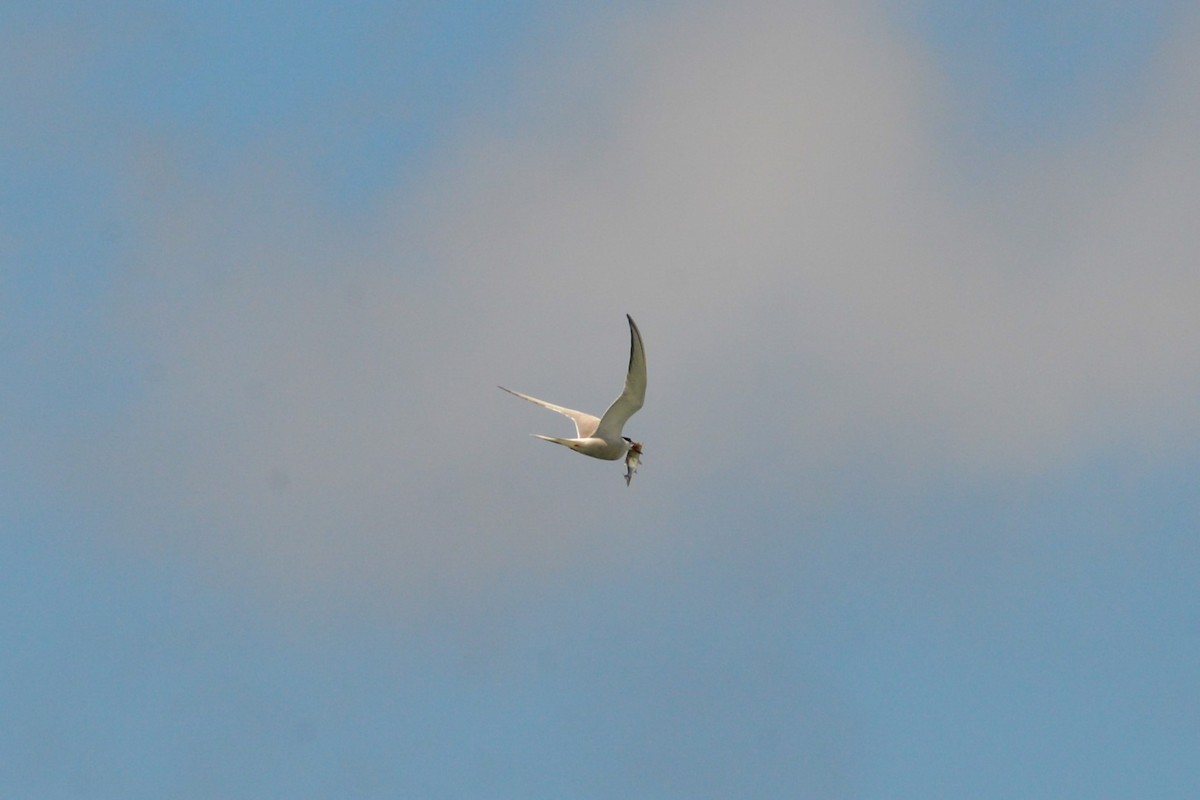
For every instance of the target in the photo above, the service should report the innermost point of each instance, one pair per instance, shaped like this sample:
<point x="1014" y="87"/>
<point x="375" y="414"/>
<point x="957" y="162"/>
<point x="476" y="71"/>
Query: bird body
<point x="592" y="446"/>
<point x="602" y="437"/>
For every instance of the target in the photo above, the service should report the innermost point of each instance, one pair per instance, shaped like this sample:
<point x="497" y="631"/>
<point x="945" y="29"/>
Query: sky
<point x="919" y="505"/>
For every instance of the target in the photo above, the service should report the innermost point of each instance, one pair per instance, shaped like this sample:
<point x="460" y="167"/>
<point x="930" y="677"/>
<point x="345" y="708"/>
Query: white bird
<point x="602" y="437"/>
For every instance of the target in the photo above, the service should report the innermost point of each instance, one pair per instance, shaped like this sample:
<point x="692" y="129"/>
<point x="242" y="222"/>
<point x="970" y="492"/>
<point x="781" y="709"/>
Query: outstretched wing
<point x="625" y="406"/>
<point x="585" y="424"/>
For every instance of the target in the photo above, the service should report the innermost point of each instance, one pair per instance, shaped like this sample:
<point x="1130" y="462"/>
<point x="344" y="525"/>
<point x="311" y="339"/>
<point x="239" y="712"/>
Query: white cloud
<point x="764" y="191"/>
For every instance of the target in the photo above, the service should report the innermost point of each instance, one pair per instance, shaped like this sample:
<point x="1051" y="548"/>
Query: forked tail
<point x="557" y="440"/>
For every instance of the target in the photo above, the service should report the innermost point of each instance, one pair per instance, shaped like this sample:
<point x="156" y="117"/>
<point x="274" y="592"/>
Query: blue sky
<point x="918" y="513"/>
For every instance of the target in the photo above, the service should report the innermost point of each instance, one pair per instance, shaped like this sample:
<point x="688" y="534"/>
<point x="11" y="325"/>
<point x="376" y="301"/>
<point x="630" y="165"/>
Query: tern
<point x="602" y="437"/>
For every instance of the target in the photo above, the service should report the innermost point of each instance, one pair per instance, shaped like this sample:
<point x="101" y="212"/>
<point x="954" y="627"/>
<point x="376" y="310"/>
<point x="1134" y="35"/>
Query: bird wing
<point x="625" y="406"/>
<point x="585" y="424"/>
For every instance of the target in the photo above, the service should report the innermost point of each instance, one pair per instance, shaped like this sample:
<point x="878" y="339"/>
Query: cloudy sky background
<point x="919" y="508"/>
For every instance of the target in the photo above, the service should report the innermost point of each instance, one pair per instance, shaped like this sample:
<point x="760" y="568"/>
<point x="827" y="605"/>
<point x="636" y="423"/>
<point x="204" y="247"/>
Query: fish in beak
<point x="632" y="458"/>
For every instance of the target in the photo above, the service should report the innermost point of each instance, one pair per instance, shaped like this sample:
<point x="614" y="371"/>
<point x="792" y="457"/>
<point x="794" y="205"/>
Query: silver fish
<point x="632" y="458"/>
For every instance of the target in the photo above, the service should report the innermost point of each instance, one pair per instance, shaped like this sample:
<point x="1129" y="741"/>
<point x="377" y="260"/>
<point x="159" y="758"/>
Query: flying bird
<point x="603" y="437"/>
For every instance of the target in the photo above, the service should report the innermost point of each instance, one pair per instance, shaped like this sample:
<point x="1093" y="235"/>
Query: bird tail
<point x="557" y="440"/>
